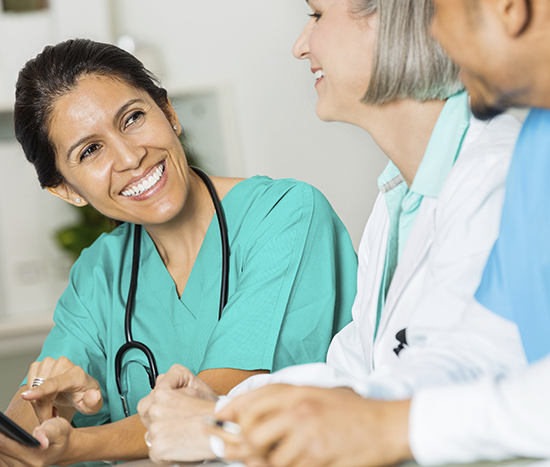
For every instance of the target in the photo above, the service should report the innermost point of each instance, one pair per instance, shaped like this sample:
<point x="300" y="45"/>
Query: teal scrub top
<point x="292" y="282"/>
<point x="403" y="202"/>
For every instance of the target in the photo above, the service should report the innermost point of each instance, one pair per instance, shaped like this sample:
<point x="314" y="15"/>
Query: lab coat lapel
<point x="417" y="248"/>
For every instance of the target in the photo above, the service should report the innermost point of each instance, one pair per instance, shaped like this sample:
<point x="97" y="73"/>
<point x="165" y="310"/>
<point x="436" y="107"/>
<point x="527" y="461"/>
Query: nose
<point x="128" y="154"/>
<point x="301" y="46"/>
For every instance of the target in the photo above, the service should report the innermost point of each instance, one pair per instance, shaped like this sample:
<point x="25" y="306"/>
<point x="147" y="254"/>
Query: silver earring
<point x="175" y="127"/>
<point x="78" y="200"/>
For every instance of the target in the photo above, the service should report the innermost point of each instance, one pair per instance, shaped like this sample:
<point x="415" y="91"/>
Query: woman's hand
<point x="179" y="377"/>
<point x="291" y="426"/>
<point x="54" y="436"/>
<point x="66" y="389"/>
<point x="174" y="414"/>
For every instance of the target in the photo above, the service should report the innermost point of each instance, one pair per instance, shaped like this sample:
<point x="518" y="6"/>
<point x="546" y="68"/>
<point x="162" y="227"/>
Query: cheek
<point x="92" y="182"/>
<point x="316" y="45"/>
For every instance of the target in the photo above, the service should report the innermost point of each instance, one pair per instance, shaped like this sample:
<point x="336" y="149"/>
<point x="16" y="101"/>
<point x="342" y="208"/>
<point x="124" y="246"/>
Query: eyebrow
<point x="78" y="143"/>
<point x="116" y="118"/>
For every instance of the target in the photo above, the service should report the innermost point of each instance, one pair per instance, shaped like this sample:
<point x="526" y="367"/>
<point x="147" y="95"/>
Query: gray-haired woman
<point x="420" y="259"/>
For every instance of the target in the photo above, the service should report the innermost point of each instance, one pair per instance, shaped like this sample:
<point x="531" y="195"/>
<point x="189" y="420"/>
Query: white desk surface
<point x="220" y="463"/>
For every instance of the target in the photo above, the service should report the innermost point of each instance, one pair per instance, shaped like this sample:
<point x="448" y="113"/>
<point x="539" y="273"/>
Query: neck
<point x="538" y="90"/>
<point x="403" y="130"/>
<point x="178" y="241"/>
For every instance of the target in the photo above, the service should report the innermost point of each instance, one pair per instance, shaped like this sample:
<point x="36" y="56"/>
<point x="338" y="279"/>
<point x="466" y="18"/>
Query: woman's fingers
<point x="143" y="407"/>
<point x="236" y="447"/>
<point x="177" y="377"/>
<point x="63" y="383"/>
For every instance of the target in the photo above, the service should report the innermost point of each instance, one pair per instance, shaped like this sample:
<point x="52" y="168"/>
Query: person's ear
<point x="514" y="15"/>
<point x="64" y="192"/>
<point x="172" y="117"/>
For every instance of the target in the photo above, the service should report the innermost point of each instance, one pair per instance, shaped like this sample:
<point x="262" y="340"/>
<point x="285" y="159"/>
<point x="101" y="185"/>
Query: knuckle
<point x="305" y="408"/>
<point x="177" y="368"/>
<point x="156" y="412"/>
<point x="48" y="361"/>
<point x="76" y="371"/>
<point x="141" y="406"/>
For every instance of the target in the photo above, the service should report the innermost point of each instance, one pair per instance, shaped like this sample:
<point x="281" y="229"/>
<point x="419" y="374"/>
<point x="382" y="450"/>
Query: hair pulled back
<point x="54" y="73"/>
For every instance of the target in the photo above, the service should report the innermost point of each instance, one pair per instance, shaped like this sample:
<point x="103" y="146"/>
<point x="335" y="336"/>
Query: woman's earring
<point x="78" y="200"/>
<point x="175" y="127"/>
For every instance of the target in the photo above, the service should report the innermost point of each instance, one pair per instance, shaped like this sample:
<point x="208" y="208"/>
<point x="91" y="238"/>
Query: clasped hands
<point x="289" y="426"/>
<point x="174" y="414"/>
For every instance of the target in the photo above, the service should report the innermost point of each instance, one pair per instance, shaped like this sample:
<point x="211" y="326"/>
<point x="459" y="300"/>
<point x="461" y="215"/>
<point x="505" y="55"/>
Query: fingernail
<point x="26" y="393"/>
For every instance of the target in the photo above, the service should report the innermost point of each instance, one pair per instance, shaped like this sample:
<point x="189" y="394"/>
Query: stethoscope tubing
<point x="224" y="289"/>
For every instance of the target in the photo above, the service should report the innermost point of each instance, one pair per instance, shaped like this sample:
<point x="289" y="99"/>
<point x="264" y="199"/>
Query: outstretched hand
<point x="67" y="388"/>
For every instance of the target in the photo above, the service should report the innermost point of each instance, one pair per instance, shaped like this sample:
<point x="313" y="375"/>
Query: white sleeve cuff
<point x="441" y="422"/>
<point x="485" y="420"/>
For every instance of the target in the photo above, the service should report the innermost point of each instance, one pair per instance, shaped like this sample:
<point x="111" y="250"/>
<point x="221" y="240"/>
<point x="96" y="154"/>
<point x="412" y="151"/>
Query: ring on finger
<point x="147" y="441"/>
<point x="37" y="382"/>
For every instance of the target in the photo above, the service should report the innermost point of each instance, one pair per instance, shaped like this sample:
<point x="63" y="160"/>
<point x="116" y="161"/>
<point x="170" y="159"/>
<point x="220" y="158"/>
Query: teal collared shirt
<point x="403" y="202"/>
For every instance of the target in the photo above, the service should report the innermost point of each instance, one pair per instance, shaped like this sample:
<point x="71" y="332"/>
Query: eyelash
<point x="133" y="118"/>
<point x="89" y="151"/>
<point x="317" y="16"/>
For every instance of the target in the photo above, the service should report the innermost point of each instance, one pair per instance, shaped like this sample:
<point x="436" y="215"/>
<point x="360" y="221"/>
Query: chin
<point x="484" y="111"/>
<point x="325" y="114"/>
<point x="483" y="102"/>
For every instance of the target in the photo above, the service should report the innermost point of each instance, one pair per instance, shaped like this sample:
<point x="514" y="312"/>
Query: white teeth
<point x="319" y="74"/>
<point x="145" y="185"/>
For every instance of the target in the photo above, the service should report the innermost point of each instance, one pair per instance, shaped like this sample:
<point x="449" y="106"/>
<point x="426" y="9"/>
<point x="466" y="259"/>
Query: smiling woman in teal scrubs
<point x="100" y="131"/>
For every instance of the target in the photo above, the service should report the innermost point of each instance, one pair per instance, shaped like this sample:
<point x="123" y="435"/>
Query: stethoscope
<point x="130" y="342"/>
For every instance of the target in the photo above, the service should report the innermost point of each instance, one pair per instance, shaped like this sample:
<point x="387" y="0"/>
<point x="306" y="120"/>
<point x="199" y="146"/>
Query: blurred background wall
<point x="248" y="104"/>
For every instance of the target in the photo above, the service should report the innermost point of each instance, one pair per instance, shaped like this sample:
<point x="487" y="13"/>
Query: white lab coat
<point x="451" y="338"/>
<point x="487" y="419"/>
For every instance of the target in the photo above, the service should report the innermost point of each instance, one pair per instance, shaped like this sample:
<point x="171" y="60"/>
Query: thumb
<point x="230" y="412"/>
<point x="51" y="432"/>
<point x="91" y="402"/>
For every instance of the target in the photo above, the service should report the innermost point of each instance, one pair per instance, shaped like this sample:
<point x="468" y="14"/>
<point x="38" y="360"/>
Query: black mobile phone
<point x="14" y="431"/>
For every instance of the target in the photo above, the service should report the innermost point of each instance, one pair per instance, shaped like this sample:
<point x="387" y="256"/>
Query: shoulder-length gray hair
<point x="408" y="62"/>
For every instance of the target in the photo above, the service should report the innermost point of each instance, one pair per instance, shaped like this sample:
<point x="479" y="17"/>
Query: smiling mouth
<point x="147" y="184"/>
<point x="319" y="74"/>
